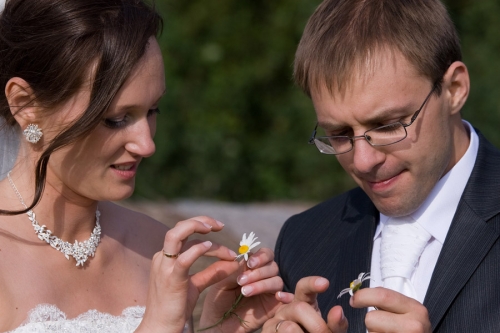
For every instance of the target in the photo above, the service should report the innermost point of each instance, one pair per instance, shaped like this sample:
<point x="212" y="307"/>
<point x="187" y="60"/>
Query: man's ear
<point x="21" y="99"/>
<point x="456" y="86"/>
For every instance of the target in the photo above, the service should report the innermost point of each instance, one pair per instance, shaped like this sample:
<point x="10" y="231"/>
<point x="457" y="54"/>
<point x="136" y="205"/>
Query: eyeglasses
<point x="378" y="136"/>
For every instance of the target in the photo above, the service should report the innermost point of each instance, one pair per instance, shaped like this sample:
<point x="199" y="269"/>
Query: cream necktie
<point x="403" y="241"/>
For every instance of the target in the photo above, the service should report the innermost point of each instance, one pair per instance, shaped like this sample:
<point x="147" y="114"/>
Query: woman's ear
<point x="456" y="86"/>
<point x="21" y="99"/>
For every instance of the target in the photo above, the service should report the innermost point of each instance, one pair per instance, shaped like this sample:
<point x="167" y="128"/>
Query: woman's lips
<point x="125" y="170"/>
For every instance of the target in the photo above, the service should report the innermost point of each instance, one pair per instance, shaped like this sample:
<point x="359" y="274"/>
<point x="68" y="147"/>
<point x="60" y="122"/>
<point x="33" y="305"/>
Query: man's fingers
<point x="304" y="315"/>
<point x="396" y="312"/>
<point x="336" y="320"/>
<point x="281" y="326"/>
<point x="307" y="288"/>
<point x="383" y="299"/>
<point x="383" y="321"/>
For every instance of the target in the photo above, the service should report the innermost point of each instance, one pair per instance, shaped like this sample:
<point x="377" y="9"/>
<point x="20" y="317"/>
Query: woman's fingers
<point x="260" y="258"/>
<point x="217" y="250"/>
<point x="176" y="236"/>
<point x="252" y="275"/>
<point x="186" y="259"/>
<point x="214" y="273"/>
<point x="284" y="297"/>
<point x="267" y="286"/>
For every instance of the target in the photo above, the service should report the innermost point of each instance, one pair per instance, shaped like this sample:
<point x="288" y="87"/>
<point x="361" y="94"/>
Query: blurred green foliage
<point x="234" y="127"/>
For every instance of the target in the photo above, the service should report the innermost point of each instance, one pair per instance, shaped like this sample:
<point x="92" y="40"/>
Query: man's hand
<point x="300" y="312"/>
<point x="396" y="312"/>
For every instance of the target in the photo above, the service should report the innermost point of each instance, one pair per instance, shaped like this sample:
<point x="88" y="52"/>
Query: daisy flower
<point x="246" y="245"/>
<point x="355" y="285"/>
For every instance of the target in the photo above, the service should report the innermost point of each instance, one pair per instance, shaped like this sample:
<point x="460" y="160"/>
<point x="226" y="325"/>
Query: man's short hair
<point x="342" y="37"/>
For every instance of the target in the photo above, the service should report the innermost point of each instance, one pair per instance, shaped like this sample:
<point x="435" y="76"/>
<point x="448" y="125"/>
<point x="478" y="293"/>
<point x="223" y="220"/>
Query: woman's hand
<point x="172" y="291"/>
<point x="258" y="281"/>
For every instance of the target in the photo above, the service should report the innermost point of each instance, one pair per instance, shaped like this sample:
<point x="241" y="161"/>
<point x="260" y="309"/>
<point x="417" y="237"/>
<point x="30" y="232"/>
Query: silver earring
<point x="33" y="133"/>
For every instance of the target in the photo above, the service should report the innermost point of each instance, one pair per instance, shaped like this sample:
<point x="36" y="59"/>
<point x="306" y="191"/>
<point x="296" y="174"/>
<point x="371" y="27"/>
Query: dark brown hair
<point x="342" y="35"/>
<point x="53" y="44"/>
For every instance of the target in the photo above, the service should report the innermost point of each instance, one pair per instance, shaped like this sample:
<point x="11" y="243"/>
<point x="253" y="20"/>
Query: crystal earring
<point x="33" y="133"/>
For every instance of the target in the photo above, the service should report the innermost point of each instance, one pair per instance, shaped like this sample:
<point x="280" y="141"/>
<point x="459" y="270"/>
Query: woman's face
<point x="103" y="165"/>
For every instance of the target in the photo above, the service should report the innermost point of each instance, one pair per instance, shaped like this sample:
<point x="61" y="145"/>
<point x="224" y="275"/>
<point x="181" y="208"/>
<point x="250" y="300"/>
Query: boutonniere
<point x="355" y="285"/>
<point x="246" y="244"/>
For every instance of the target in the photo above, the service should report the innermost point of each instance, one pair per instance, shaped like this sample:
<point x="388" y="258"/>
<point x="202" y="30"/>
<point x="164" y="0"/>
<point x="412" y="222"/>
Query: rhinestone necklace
<point x="81" y="251"/>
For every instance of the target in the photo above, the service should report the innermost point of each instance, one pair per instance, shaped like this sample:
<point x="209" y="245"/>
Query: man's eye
<point x="345" y="132"/>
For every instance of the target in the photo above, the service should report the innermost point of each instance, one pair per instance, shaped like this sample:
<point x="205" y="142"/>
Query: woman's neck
<point x="68" y="216"/>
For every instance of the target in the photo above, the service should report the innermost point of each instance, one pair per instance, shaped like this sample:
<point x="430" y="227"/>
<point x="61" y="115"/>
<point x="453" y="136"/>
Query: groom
<point x="387" y="83"/>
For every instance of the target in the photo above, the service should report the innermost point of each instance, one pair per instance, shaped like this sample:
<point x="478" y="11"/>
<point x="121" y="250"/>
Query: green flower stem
<point x="227" y="315"/>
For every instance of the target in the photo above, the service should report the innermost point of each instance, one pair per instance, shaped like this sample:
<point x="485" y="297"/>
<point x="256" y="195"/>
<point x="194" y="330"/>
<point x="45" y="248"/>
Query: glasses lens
<point x="386" y="135"/>
<point x="333" y="145"/>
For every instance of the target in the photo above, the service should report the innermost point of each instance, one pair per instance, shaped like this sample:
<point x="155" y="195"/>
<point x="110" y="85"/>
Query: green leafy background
<point x="234" y="127"/>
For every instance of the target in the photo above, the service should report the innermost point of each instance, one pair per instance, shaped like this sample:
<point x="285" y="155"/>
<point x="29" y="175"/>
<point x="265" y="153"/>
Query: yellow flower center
<point x="351" y="285"/>
<point x="243" y="249"/>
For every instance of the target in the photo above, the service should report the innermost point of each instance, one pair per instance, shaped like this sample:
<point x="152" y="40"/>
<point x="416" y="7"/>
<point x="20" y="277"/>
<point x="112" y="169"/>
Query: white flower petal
<point x="243" y="239"/>
<point x="344" y="291"/>
<point x="253" y="245"/>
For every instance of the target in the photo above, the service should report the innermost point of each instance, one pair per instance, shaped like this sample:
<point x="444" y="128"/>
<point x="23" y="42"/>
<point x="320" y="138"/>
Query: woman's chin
<point x="120" y="195"/>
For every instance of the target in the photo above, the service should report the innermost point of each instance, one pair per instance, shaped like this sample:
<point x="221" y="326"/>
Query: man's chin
<point x="394" y="207"/>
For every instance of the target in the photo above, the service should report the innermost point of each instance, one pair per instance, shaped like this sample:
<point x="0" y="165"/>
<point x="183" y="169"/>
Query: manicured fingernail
<point x="246" y="290"/>
<point x="232" y="253"/>
<point x="207" y="225"/>
<point x="342" y="314"/>
<point x="321" y="282"/>
<point x="207" y="244"/>
<point x="279" y="294"/>
<point x="252" y="262"/>
<point x="242" y="279"/>
<point x="219" y="223"/>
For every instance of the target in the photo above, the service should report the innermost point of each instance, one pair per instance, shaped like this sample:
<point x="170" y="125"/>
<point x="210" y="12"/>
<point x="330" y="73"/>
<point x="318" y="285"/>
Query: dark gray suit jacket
<point x="334" y="239"/>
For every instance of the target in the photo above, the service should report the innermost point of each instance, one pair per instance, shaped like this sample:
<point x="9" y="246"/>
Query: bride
<point x="82" y="82"/>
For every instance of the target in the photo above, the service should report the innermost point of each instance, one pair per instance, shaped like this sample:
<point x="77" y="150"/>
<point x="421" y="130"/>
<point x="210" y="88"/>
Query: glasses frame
<point x="365" y="136"/>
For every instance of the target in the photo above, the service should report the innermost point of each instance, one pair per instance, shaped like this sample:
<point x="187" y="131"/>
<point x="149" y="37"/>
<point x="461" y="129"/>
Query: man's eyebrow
<point x="379" y="117"/>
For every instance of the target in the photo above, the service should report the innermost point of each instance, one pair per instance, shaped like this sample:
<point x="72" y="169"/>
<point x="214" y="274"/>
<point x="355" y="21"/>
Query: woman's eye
<point x="153" y="111"/>
<point x="118" y="123"/>
<point x="112" y="123"/>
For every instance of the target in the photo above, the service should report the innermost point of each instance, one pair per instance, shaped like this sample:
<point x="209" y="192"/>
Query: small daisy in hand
<point x="246" y="245"/>
<point x="355" y="285"/>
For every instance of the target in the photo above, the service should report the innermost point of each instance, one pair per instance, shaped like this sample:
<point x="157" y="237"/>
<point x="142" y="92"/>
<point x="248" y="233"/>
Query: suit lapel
<point x="470" y="237"/>
<point x="361" y="218"/>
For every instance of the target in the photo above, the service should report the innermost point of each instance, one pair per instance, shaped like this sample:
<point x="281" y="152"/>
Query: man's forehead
<point x="362" y="70"/>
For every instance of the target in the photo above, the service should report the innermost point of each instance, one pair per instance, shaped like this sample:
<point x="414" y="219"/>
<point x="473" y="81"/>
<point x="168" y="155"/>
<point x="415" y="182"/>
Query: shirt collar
<point x="441" y="204"/>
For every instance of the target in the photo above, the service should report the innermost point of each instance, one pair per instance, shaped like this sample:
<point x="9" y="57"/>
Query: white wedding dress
<point x="49" y="318"/>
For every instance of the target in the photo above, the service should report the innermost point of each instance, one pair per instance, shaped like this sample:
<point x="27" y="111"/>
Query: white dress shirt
<point x="435" y="216"/>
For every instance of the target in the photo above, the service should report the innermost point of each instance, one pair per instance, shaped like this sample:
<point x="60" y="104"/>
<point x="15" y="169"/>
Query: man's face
<point x="398" y="177"/>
